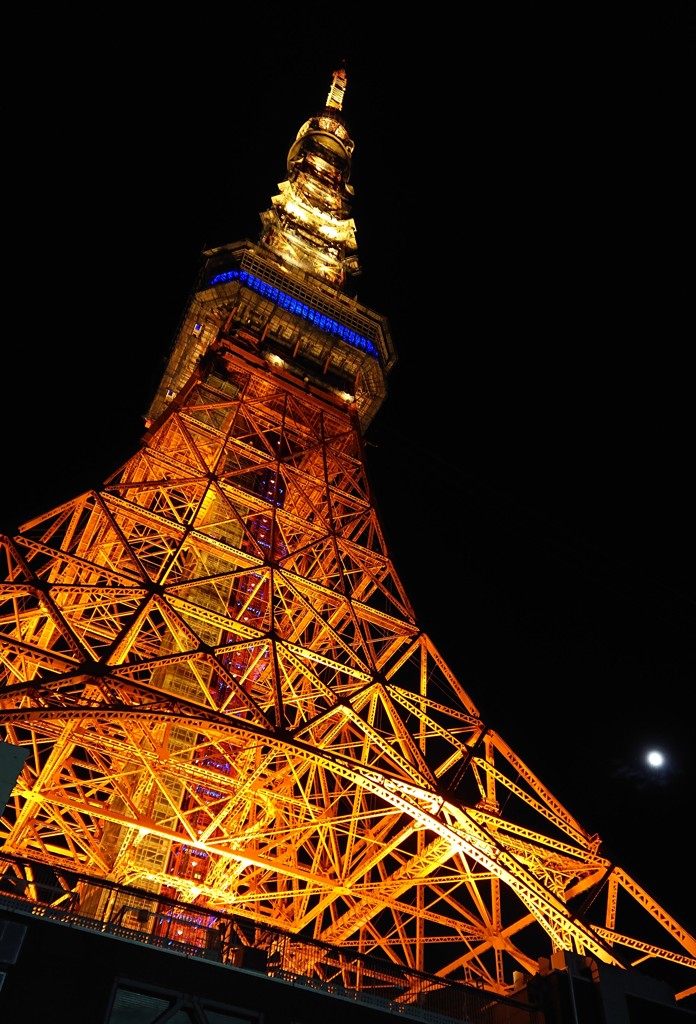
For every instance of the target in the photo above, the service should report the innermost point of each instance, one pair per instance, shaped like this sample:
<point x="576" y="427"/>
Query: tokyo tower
<point x="217" y="681"/>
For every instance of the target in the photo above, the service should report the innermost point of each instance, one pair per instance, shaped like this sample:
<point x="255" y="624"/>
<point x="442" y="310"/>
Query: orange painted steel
<point x="224" y="695"/>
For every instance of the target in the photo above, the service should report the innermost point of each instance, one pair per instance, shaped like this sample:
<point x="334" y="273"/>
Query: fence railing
<point x="135" y="915"/>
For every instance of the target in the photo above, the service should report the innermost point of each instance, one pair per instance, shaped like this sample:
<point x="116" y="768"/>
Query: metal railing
<point x="134" y="915"/>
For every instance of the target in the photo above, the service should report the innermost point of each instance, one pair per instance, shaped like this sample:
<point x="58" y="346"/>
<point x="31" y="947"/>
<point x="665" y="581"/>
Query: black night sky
<point x="525" y="220"/>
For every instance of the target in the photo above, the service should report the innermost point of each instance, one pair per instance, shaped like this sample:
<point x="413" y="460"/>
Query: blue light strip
<point x="323" y="322"/>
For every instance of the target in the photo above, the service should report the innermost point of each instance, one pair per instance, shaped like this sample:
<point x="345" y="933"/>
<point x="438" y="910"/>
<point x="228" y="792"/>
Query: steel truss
<point x="224" y="696"/>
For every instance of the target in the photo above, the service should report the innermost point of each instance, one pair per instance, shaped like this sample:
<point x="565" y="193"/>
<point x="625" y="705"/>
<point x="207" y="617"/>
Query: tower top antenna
<point x="337" y="90"/>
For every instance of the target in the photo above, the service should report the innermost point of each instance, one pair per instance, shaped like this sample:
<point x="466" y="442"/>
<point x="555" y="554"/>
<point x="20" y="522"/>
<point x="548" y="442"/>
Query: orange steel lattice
<point x="225" y="697"/>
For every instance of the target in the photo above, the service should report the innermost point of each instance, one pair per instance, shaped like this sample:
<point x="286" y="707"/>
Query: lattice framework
<point x="225" y="696"/>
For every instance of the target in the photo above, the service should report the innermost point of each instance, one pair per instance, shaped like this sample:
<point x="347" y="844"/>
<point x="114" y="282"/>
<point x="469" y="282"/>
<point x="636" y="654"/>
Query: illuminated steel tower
<point x="219" y="682"/>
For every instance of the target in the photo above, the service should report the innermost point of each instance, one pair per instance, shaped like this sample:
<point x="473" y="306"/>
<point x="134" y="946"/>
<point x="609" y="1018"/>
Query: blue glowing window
<point x="299" y="309"/>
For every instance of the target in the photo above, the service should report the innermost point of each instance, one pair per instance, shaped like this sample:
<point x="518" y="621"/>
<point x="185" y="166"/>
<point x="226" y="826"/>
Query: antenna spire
<point x="337" y="90"/>
<point x="309" y="225"/>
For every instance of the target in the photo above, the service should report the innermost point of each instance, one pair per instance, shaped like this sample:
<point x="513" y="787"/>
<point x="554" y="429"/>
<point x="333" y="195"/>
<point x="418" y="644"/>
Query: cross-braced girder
<point x="224" y="696"/>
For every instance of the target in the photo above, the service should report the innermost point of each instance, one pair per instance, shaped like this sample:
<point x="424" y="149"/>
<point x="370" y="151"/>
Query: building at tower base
<point x="57" y="963"/>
